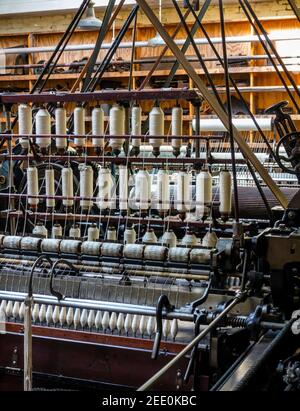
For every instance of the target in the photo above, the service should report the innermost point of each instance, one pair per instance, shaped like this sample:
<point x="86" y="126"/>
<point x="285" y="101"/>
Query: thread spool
<point x="12" y="242"/>
<point x="32" y="186"/>
<point x="183" y="194"/>
<point x="210" y="239"/>
<point x="50" y="245"/>
<point x="189" y="239"/>
<point x="169" y="239"/>
<point x="143" y="190"/>
<point x="136" y="128"/>
<point x="25" y="123"/>
<point x="91" y="248"/>
<point x="123" y="188"/>
<point x="134" y="251"/>
<point x="30" y="244"/>
<point x="93" y="233"/>
<point x="98" y="128"/>
<point x="86" y="186"/>
<point x="203" y="194"/>
<point x="106" y="198"/>
<point x="156" y="128"/>
<point x="67" y="186"/>
<point x="43" y="127"/>
<point x="70" y="246"/>
<point x="176" y="129"/>
<point x="50" y="188"/>
<point x="61" y="128"/>
<point x="225" y="194"/>
<point x="129" y="235"/>
<point x="116" y="128"/>
<point x="163" y="191"/>
<point x="75" y="231"/>
<point x="79" y="126"/>
<point x="56" y="231"/>
<point x="149" y="236"/>
<point x="40" y="230"/>
<point x="111" y="234"/>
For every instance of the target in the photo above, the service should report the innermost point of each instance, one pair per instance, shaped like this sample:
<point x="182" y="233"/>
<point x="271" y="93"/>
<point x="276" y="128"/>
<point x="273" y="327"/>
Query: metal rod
<point x="185" y="46"/>
<point x="234" y="84"/>
<point x="214" y="104"/>
<point x="269" y="54"/>
<point x="148" y="384"/>
<point x="229" y="113"/>
<point x="160" y="58"/>
<point x="272" y="47"/>
<point x="295" y="9"/>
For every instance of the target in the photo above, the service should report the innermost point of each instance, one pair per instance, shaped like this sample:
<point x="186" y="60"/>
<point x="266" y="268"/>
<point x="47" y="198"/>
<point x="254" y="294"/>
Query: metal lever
<point x="55" y="293"/>
<point x="28" y="326"/>
<point x="163" y="302"/>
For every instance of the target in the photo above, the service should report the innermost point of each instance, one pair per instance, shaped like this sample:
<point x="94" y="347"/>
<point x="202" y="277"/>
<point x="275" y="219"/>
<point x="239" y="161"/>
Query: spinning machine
<point x="146" y="260"/>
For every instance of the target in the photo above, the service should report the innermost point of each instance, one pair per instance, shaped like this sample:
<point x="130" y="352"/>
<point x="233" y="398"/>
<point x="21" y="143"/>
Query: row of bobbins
<point x="143" y="195"/>
<point x="116" y="127"/>
<point x="129" y="324"/>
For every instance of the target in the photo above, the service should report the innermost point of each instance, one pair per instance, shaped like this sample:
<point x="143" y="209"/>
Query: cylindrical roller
<point x="203" y="194"/>
<point x="169" y="239"/>
<point x="155" y="252"/>
<point x="91" y="248"/>
<point x="179" y="254"/>
<point x="156" y="128"/>
<point x="61" y="128"/>
<point x="56" y="231"/>
<point x="136" y="127"/>
<point x="32" y="186"/>
<point x="31" y="244"/>
<point x="149" y="236"/>
<point x="134" y="251"/>
<point x="106" y="198"/>
<point x="50" y="245"/>
<point x="43" y="126"/>
<point x="176" y="128"/>
<point x="182" y="191"/>
<point x="225" y="194"/>
<point x="79" y="126"/>
<point x="40" y="230"/>
<point x="50" y="187"/>
<point x="116" y="127"/>
<point x="93" y="233"/>
<point x="25" y="123"/>
<point x="123" y="188"/>
<point x="143" y="190"/>
<point x="200" y="256"/>
<point x="163" y="191"/>
<point x="75" y="231"/>
<point x="70" y="246"/>
<point x="98" y="127"/>
<point x="112" y="250"/>
<point x="111" y="234"/>
<point x="129" y="235"/>
<point x="12" y="242"/>
<point x="86" y="186"/>
<point x="67" y="186"/>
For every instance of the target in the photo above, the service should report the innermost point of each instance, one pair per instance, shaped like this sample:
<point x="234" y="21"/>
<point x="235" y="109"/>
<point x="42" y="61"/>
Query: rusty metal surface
<point x="101" y="96"/>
